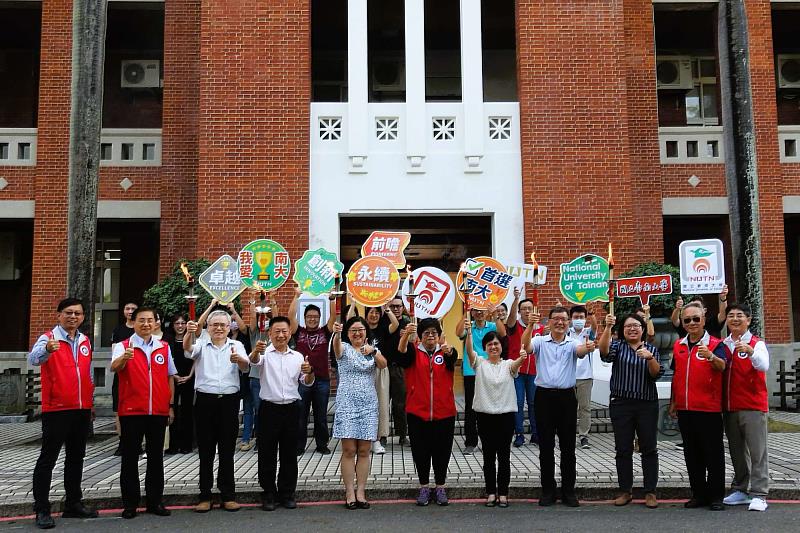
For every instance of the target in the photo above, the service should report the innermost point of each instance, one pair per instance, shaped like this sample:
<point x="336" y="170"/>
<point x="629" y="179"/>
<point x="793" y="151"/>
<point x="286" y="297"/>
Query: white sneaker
<point x="377" y="448"/>
<point x="736" y="497"/>
<point x="758" y="504"/>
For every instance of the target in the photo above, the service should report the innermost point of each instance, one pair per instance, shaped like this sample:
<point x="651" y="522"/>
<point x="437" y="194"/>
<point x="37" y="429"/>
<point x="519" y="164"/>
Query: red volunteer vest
<point x="143" y="388"/>
<point x="67" y="383"/>
<point x="515" y="344"/>
<point x="696" y="386"/>
<point x="429" y="387"/>
<point x="745" y="387"/>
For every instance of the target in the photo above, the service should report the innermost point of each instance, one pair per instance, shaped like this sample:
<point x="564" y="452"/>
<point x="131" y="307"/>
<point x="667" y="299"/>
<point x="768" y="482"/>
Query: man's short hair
<point x="69" y="302"/>
<point x="218" y="312"/>
<point x="525" y="301"/>
<point x="144" y="309"/>
<point x="504" y="306"/>
<point x="311" y="307"/>
<point x="278" y="319"/>
<point x="558" y="309"/>
<point x="696" y="305"/>
<point x="578" y="309"/>
<point x="428" y="323"/>
<point x="743" y="307"/>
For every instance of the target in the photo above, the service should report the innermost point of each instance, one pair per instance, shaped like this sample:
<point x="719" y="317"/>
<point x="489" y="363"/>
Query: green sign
<point x="264" y="265"/>
<point x="585" y="279"/>
<point x="315" y="272"/>
<point x="221" y="280"/>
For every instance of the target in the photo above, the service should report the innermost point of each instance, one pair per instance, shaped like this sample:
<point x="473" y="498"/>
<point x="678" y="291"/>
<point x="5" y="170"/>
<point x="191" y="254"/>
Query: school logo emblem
<point x="85" y="351"/>
<point x="742" y="355"/>
<point x="160" y="359"/>
<point x="439" y="360"/>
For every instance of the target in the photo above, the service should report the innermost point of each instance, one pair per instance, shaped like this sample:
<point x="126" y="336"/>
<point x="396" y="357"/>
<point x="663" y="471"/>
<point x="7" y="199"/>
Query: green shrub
<point x="169" y="294"/>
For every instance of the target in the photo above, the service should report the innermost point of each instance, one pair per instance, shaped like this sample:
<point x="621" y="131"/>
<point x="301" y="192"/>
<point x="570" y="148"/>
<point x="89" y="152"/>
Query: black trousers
<point x="181" y="431"/>
<point x="704" y="453"/>
<point x="133" y="429"/>
<point x="496" y="432"/>
<point x="397" y="392"/>
<point x="277" y="433"/>
<point x="431" y="443"/>
<point x="69" y="429"/>
<point x="629" y="418"/>
<point x="470" y="422"/>
<point x="217" y="428"/>
<point x="556" y="414"/>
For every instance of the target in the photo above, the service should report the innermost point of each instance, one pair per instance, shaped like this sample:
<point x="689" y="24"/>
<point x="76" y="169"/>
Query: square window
<point x="444" y="128"/>
<point x="3" y="150"/>
<point x="330" y="128"/>
<point x="149" y="151"/>
<point x="790" y="147"/>
<point x="105" y="152"/>
<point x="500" y="128"/>
<point x="691" y="149"/>
<point x="712" y="149"/>
<point x="386" y="128"/>
<point x="127" y="152"/>
<point x="24" y="151"/>
<point x="672" y="148"/>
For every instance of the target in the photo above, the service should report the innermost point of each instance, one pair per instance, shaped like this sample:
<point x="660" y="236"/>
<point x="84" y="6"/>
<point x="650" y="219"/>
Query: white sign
<point x="525" y="272"/>
<point x="702" y="265"/>
<point x="435" y="292"/>
<point x="320" y="301"/>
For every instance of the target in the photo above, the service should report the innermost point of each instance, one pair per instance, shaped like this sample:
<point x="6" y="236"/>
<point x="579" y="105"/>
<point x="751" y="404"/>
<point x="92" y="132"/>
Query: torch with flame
<point x="191" y="298"/>
<point x="262" y="315"/>
<point x="535" y="295"/>
<point x="411" y="295"/>
<point x="611" y="281"/>
<point x="462" y="288"/>
<point x="337" y="293"/>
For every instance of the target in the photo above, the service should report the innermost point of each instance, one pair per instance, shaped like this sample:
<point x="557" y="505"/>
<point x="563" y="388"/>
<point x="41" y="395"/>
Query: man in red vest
<point x="700" y="360"/>
<point x="146" y="388"/>
<point x="746" y="404"/>
<point x="65" y="357"/>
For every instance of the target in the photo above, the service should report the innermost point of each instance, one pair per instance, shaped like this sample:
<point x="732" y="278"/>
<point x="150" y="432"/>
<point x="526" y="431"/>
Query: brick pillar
<point x="50" y="183"/>
<point x="179" y="132"/>
<point x="576" y="165"/>
<point x="642" y="108"/>
<point x="777" y="304"/>
<point x="255" y="86"/>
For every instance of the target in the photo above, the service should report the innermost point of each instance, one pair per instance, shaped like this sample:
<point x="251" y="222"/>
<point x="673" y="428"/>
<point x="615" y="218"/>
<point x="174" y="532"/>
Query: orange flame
<point x="185" y="270"/>
<point x="610" y="256"/>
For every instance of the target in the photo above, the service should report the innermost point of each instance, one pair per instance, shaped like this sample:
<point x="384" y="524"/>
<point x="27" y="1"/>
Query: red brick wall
<point x="577" y="180"/>
<point x="179" y="157"/>
<point x="674" y="180"/>
<point x="770" y="177"/>
<point x="254" y="126"/>
<point x="50" y="183"/>
<point x="20" y="183"/>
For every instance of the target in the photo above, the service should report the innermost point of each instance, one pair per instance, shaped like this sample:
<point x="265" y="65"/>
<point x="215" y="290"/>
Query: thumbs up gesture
<point x="52" y="345"/>
<point x="446" y="348"/>
<point x="128" y="355"/>
<point x="234" y="356"/>
<point x="590" y="345"/>
<point x="305" y="368"/>
<point x="703" y="351"/>
<point x="523" y="354"/>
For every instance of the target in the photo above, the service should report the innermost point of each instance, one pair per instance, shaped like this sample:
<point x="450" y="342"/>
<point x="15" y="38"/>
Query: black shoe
<point x="403" y="441"/>
<point x="118" y="451"/>
<point x="127" y="514"/>
<point x="44" y="520"/>
<point x="158" y="510"/>
<point x="289" y="503"/>
<point x="184" y="451"/>
<point x="170" y="451"/>
<point x="716" y="506"/>
<point x="362" y="505"/>
<point x="268" y="505"/>
<point x="570" y="500"/>
<point x="547" y="499"/>
<point x="383" y="441"/>
<point x="350" y="506"/>
<point x="694" y="503"/>
<point x="324" y="451"/>
<point x="78" y="511"/>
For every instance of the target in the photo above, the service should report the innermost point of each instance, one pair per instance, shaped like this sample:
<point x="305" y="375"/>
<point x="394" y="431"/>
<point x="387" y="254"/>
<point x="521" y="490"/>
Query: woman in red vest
<point x="430" y="404"/>
<point x="699" y="361"/>
<point x="64" y="355"/>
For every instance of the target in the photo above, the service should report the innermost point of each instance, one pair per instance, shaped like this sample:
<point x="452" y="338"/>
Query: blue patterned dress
<point x="356" y="400"/>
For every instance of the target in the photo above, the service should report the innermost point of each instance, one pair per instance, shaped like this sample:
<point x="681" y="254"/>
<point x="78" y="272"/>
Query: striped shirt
<point x="630" y="377"/>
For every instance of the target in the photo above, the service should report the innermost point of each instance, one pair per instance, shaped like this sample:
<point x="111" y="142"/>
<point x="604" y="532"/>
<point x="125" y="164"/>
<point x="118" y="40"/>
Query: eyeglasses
<point x="357" y="330"/>
<point x="690" y="319"/>
<point x="429" y="333"/>
<point x="72" y="313"/>
<point x="633" y="326"/>
<point x="218" y="325"/>
<point x="395" y="306"/>
<point x="558" y="319"/>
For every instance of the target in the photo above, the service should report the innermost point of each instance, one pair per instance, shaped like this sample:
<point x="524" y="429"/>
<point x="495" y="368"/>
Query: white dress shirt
<point x="279" y="373"/>
<point x="760" y="357"/>
<point x="214" y="373"/>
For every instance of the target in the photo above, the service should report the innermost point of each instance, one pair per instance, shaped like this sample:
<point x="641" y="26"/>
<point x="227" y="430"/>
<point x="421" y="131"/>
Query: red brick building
<point x="482" y="126"/>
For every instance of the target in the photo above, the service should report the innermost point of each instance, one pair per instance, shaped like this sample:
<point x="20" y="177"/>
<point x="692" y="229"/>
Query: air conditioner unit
<point x="141" y="73"/>
<point x="789" y="71"/>
<point x="674" y="72"/>
<point x="388" y="75"/>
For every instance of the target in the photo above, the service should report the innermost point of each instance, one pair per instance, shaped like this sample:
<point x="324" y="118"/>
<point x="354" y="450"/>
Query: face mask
<point x="234" y="326"/>
<point x="578" y="323"/>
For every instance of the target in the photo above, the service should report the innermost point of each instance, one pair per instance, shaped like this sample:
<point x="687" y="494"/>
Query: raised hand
<point x="51" y="346"/>
<point x="234" y="356"/>
<point x="337" y="328"/>
<point x="367" y="349"/>
<point x="411" y="329"/>
<point x="305" y="368"/>
<point x="191" y="327"/>
<point x="610" y="320"/>
<point x="644" y="353"/>
<point x="703" y="351"/>
<point x="679" y="303"/>
<point x="446" y="348"/>
<point x="590" y="345"/>
<point x="128" y="355"/>
<point x="260" y="347"/>
<point x="516" y="293"/>
<point x="523" y="354"/>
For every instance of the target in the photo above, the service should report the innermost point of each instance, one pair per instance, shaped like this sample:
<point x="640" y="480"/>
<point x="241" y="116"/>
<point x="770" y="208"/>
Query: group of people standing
<point x="509" y="361"/>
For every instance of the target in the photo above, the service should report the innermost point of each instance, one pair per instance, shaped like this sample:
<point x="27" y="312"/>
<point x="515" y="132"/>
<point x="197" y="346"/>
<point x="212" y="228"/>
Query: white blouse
<point x="494" y="387"/>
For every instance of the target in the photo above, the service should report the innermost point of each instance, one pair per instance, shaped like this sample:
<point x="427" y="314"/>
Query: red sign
<point x="387" y="244"/>
<point x="644" y="287"/>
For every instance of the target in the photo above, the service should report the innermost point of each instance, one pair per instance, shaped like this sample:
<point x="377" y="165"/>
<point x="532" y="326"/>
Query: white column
<point x="357" y="86"/>
<point x="472" y="84"/>
<point x="417" y="126"/>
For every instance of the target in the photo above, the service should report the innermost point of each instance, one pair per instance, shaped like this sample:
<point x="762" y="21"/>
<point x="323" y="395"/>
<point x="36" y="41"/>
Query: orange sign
<point x="373" y="281"/>
<point x="484" y="281"/>
<point x="388" y="244"/>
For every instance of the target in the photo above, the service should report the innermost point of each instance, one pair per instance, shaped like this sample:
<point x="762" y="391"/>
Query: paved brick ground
<point x="391" y="472"/>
